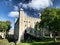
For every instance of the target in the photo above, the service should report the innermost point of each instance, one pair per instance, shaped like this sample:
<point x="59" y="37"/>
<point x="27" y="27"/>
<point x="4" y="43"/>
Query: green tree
<point x="5" y="26"/>
<point x="8" y="23"/>
<point x="37" y="26"/>
<point x="50" y="20"/>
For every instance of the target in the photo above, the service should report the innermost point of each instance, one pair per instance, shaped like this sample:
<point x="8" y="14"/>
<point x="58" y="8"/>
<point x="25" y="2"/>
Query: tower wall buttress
<point x="21" y="25"/>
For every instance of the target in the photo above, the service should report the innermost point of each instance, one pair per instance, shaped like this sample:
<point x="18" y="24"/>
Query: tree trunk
<point x="42" y="33"/>
<point x="54" y="38"/>
<point x="51" y="35"/>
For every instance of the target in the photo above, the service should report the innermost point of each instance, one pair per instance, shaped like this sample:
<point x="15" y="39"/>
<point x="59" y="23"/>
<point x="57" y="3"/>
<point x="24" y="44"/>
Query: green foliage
<point x="8" y="23"/>
<point x="50" y="19"/>
<point x="5" y="25"/>
<point x="37" y="26"/>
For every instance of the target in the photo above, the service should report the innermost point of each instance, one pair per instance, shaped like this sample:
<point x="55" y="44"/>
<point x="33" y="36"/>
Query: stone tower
<point x="21" y="25"/>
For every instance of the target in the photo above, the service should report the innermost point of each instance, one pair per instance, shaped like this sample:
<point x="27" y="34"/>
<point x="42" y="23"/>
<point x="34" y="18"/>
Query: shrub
<point x="4" y="42"/>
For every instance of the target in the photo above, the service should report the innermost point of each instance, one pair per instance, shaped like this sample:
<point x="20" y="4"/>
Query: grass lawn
<point x="44" y="42"/>
<point x="4" y="42"/>
<point x="39" y="43"/>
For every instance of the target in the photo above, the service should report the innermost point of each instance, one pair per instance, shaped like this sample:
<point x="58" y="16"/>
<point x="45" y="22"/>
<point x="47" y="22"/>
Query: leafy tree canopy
<point x="51" y="19"/>
<point x="5" y="25"/>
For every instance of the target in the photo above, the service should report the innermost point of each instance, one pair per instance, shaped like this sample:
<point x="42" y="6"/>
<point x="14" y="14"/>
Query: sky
<point x="9" y="8"/>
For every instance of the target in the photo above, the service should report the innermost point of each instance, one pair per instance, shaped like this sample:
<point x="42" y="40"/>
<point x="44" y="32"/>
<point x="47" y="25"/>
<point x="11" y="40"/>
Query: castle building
<point x="22" y="23"/>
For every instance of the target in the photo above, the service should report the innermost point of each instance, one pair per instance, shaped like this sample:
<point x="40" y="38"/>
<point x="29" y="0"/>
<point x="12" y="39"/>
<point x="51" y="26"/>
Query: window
<point x="25" y="25"/>
<point x="29" y="21"/>
<point x="26" y="21"/>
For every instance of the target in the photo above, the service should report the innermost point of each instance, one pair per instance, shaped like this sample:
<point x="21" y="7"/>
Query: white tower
<point x="21" y="24"/>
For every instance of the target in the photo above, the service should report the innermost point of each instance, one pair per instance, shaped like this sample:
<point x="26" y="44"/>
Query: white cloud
<point x="25" y="5"/>
<point x="16" y="8"/>
<point x="37" y="4"/>
<point x="13" y="14"/>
